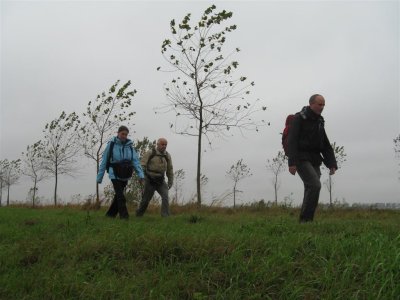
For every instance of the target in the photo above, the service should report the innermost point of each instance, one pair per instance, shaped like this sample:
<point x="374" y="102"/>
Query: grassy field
<point x="67" y="253"/>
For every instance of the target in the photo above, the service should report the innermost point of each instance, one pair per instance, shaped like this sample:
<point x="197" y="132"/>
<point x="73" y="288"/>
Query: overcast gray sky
<point x="58" y="55"/>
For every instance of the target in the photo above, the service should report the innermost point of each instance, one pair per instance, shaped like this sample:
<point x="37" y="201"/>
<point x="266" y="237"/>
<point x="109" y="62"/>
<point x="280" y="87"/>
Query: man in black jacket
<point x="307" y="141"/>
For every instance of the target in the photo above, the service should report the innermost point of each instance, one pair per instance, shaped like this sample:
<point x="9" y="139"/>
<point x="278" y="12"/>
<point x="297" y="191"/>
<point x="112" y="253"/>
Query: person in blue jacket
<point x="119" y="160"/>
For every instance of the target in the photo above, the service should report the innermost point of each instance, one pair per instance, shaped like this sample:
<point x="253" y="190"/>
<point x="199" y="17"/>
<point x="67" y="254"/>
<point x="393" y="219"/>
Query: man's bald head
<point x="162" y="144"/>
<point x="317" y="103"/>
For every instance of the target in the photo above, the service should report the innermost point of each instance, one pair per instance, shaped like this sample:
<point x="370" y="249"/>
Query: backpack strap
<point x="153" y="154"/>
<point x="110" y="156"/>
<point x="166" y="158"/>
<point x="131" y="147"/>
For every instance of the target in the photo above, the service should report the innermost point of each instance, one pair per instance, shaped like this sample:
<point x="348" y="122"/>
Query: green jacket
<point x="160" y="164"/>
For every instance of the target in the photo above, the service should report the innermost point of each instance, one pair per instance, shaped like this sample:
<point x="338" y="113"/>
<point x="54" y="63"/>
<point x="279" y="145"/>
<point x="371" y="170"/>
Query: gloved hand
<point x="99" y="181"/>
<point x="169" y="185"/>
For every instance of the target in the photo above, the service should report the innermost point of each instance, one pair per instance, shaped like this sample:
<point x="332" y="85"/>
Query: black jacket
<point x="307" y="140"/>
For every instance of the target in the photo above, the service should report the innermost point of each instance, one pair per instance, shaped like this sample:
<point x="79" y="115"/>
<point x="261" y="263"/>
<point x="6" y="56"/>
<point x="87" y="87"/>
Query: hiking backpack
<point x="110" y="154"/>
<point x="156" y="180"/>
<point x="285" y="133"/>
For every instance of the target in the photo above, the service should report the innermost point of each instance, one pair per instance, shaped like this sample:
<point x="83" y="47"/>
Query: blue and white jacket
<point x="121" y="151"/>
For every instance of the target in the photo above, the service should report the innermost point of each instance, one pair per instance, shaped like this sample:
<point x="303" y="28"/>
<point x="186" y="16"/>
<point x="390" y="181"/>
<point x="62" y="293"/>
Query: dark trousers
<point x="118" y="205"/>
<point x="310" y="175"/>
<point x="148" y="193"/>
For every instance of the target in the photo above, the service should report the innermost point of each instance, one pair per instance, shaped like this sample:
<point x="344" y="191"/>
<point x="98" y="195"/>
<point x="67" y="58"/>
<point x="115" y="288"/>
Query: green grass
<point x="67" y="253"/>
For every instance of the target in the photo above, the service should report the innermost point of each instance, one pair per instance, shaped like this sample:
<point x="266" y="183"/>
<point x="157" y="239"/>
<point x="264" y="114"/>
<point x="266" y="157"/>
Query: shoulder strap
<point x="167" y="157"/>
<point x="131" y="151"/>
<point x="153" y="154"/>
<point x="110" y="155"/>
<point x="302" y="114"/>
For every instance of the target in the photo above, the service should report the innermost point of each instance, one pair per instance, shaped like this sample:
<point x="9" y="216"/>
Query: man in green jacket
<point x="156" y="163"/>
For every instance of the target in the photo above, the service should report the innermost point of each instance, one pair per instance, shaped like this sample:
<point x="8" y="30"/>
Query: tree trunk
<point x="199" y="139"/>
<point x="330" y="191"/>
<point x="199" y="160"/>
<point x="8" y="195"/>
<point x="55" y="188"/>
<point x="276" y="189"/>
<point x="34" y="193"/>
<point x="97" y="185"/>
<point x="97" y="194"/>
<point x="1" y="191"/>
<point x="234" y="196"/>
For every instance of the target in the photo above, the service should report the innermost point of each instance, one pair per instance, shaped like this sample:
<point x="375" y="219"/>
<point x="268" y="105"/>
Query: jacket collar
<point x="310" y="114"/>
<point x="118" y="141"/>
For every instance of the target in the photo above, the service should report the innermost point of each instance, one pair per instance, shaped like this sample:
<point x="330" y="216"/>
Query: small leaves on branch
<point x="207" y="99"/>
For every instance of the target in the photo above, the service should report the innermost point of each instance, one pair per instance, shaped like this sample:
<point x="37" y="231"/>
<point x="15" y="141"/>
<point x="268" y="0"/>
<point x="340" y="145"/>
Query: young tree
<point x="101" y="120"/>
<point x="206" y="93"/>
<point x="61" y="147"/>
<point x="236" y="173"/>
<point x="277" y="165"/>
<point x="33" y="166"/>
<point x="134" y="188"/>
<point x="179" y="176"/>
<point x="11" y="173"/>
<point x="340" y="156"/>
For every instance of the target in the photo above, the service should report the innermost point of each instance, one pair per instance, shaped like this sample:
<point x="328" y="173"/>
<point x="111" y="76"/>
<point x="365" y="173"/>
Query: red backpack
<point x="285" y="134"/>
